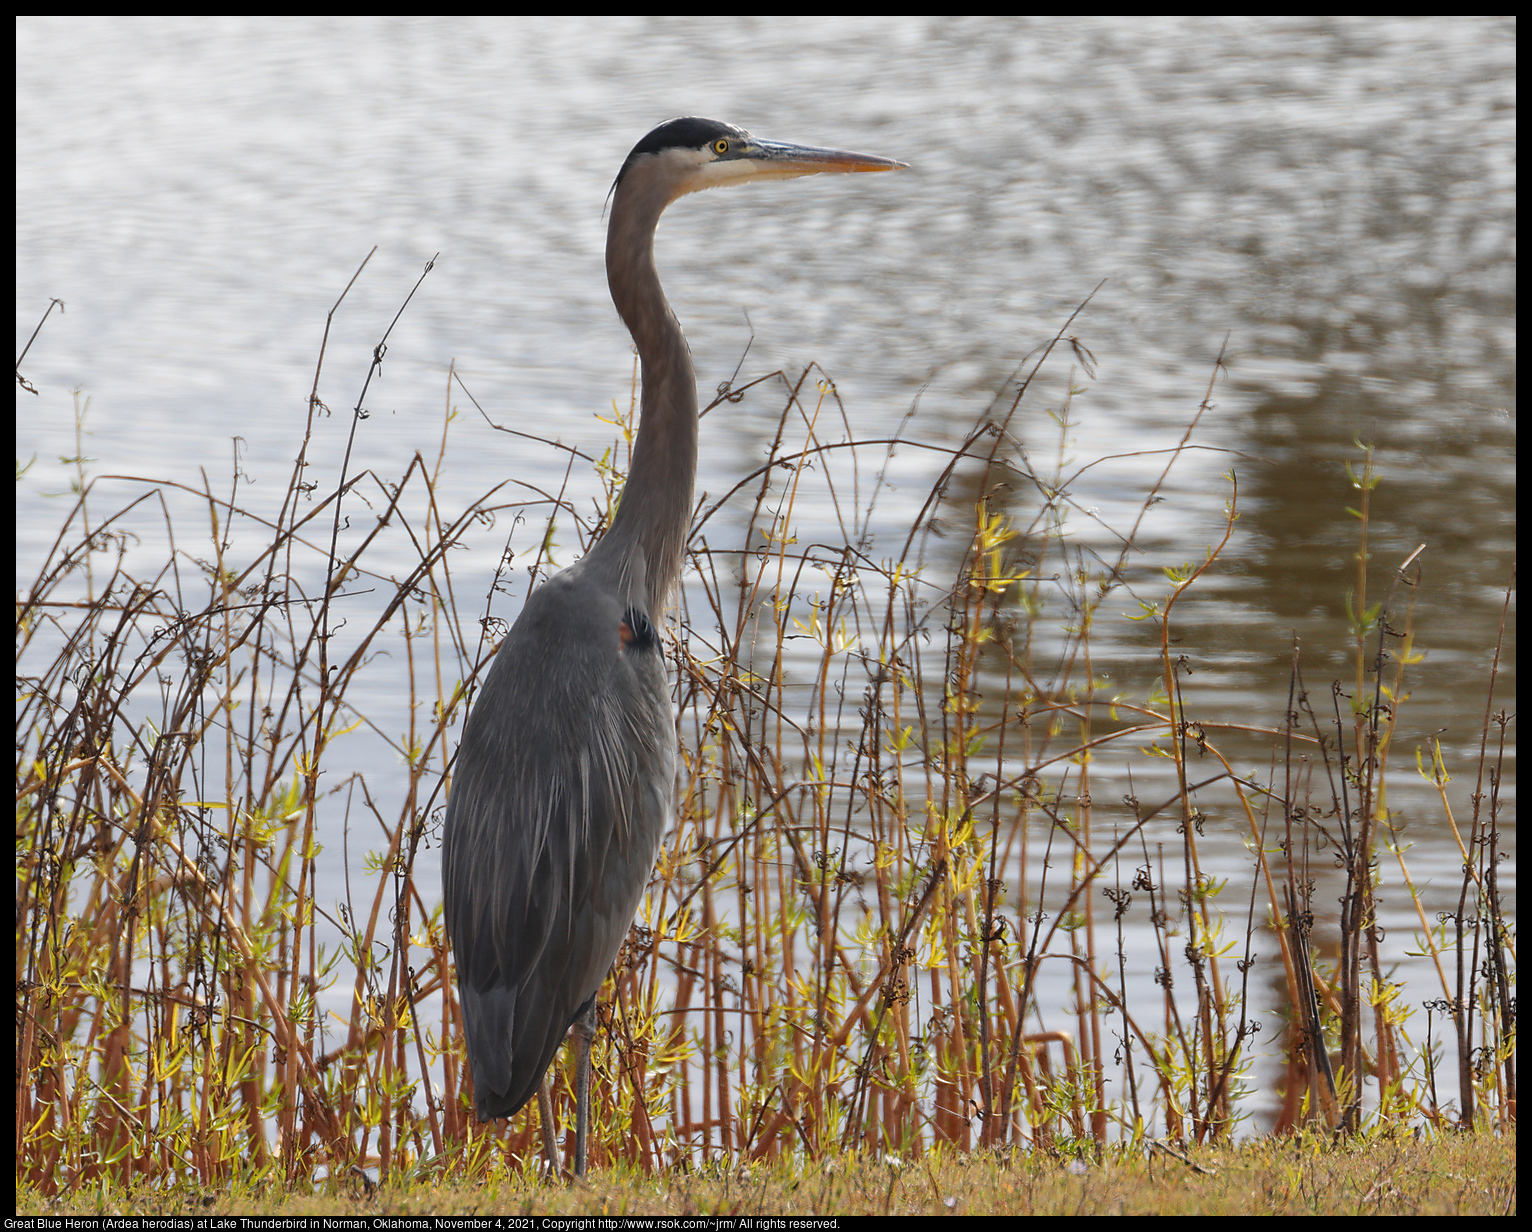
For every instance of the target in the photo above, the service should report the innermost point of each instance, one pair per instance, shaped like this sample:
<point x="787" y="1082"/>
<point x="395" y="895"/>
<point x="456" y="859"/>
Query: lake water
<point x="1332" y="199"/>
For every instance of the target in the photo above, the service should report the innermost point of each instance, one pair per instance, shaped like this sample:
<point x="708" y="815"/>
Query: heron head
<point x="689" y="154"/>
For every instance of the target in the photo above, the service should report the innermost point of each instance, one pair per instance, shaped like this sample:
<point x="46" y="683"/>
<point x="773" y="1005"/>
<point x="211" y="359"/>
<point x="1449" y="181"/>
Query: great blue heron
<point x="565" y="776"/>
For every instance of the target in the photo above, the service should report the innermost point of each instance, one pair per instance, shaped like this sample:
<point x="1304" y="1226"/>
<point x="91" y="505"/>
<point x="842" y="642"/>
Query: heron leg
<point x="550" y="1130"/>
<point x="584" y="1028"/>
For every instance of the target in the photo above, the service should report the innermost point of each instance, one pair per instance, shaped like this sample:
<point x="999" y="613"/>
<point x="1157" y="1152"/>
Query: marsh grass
<point x="886" y="838"/>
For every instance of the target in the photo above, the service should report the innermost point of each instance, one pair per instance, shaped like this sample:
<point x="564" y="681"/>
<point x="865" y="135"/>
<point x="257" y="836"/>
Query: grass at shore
<point x="886" y="842"/>
<point x="1453" y="1174"/>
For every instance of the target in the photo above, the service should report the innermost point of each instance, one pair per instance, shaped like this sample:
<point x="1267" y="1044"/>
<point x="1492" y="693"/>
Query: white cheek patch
<point x="738" y="170"/>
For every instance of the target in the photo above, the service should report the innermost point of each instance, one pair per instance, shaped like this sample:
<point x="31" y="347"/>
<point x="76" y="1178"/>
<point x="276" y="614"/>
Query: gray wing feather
<point x="561" y="794"/>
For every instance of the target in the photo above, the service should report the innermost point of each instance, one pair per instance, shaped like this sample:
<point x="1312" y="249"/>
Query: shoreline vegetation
<point x="1304" y="1174"/>
<point x="885" y="838"/>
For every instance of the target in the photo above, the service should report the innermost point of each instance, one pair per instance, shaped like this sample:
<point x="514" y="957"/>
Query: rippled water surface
<point x="1327" y="202"/>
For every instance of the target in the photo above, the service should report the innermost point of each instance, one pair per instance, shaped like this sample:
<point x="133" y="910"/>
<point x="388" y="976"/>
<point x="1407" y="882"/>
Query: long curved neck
<point x="655" y="511"/>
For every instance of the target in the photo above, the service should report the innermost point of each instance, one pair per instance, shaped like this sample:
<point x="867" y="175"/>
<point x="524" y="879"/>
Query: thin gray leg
<point x="584" y="1028"/>
<point x="550" y="1130"/>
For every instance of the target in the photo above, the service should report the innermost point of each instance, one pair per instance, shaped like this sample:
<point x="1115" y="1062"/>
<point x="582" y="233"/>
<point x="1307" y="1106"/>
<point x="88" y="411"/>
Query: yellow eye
<point x="721" y="146"/>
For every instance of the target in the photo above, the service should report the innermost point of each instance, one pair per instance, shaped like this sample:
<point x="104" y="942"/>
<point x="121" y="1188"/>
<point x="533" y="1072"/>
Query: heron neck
<point x="654" y="514"/>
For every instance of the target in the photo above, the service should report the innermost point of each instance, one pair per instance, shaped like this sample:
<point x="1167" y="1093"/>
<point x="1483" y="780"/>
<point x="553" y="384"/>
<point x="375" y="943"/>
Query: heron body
<point x="547" y="884"/>
<point x="565" y="777"/>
